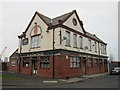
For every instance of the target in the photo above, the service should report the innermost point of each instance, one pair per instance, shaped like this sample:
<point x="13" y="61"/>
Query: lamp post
<point x="21" y="37"/>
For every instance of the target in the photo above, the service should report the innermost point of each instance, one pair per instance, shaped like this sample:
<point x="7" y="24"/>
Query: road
<point x="107" y="81"/>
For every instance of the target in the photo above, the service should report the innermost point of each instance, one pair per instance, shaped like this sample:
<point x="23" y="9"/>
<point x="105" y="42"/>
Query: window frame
<point x="89" y="44"/>
<point x="68" y="38"/>
<point x="95" y="46"/>
<point x="96" y="63"/>
<point x="75" y="62"/>
<point x="37" y="41"/>
<point x="13" y="64"/>
<point x="26" y="60"/>
<point x="81" y="42"/>
<point x="90" y="63"/>
<point x="43" y="63"/>
<point x="75" y="40"/>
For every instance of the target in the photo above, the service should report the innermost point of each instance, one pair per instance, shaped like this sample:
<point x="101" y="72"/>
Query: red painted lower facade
<point x="62" y="67"/>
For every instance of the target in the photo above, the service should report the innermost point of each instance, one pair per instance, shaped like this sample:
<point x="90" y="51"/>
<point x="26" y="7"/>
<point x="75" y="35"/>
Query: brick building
<point x="13" y="62"/>
<point x="60" y="47"/>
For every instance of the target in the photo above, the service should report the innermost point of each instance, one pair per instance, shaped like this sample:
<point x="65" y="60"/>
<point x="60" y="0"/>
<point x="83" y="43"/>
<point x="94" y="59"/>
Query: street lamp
<point x="23" y="35"/>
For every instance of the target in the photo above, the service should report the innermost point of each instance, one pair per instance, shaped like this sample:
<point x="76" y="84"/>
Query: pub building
<point x="60" y="48"/>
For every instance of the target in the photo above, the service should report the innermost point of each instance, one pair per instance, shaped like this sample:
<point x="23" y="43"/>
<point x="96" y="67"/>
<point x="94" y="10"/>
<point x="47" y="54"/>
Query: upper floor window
<point x="89" y="44"/>
<point x="74" y="40"/>
<point x="35" y="41"/>
<point x="81" y="42"/>
<point x="68" y="38"/>
<point x="105" y="49"/>
<point x="95" y="46"/>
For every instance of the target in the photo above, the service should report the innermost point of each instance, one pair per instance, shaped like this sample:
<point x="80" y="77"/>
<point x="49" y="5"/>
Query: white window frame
<point x="35" y="41"/>
<point x="95" y="46"/>
<point x="75" y="62"/>
<point x="68" y="38"/>
<point x="89" y="44"/>
<point x="81" y="42"/>
<point x="75" y="40"/>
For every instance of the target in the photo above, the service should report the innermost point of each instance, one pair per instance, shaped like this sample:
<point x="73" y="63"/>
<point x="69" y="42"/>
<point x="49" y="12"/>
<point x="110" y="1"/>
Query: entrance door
<point x="34" y="65"/>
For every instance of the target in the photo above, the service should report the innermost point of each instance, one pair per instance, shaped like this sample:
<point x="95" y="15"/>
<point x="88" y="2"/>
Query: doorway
<point x="84" y="65"/>
<point x="34" y="65"/>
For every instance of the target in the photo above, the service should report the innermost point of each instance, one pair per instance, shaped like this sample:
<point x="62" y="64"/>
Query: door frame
<point x="34" y="66"/>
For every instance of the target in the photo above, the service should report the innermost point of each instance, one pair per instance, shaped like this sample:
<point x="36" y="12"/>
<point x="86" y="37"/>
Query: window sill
<point x="13" y="65"/>
<point x="75" y="67"/>
<point x="44" y="68"/>
<point x="95" y="51"/>
<point x="34" y="47"/>
<point x="68" y="45"/>
<point x="25" y="67"/>
<point x="81" y="48"/>
<point x="75" y="47"/>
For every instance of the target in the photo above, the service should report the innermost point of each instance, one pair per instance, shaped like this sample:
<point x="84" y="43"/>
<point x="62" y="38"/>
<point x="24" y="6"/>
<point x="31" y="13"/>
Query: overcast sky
<point x="99" y="18"/>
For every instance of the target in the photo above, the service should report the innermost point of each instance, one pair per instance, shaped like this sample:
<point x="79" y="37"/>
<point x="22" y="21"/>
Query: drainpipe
<point x="53" y="50"/>
<point x="20" y="52"/>
<point x="99" y="58"/>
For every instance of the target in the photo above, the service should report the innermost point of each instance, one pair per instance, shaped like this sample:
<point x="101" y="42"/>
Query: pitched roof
<point x="93" y="36"/>
<point x="46" y="19"/>
<point x="55" y="20"/>
<point x="16" y="51"/>
<point x="63" y="18"/>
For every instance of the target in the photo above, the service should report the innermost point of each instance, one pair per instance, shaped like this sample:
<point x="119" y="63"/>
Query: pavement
<point x="81" y="79"/>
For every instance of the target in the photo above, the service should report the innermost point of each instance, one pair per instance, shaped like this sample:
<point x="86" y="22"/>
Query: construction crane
<point x="2" y="53"/>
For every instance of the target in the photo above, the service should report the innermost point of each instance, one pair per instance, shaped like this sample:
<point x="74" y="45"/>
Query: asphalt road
<point x="107" y="81"/>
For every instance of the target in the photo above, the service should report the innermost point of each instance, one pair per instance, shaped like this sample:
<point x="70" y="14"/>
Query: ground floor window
<point x="26" y="61"/>
<point x="44" y="62"/>
<point x="96" y="62"/>
<point x="105" y="61"/>
<point x="13" y="63"/>
<point x="75" y="62"/>
<point x="100" y="62"/>
<point x="90" y="64"/>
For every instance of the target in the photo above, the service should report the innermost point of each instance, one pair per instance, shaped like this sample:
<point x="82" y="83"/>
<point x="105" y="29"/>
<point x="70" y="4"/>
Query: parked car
<point x="115" y="71"/>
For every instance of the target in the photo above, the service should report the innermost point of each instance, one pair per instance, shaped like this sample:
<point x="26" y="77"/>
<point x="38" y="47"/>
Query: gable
<point x="14" y="54"/>
<point x="74" y="23"/>
<point x="40" y="23"/>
